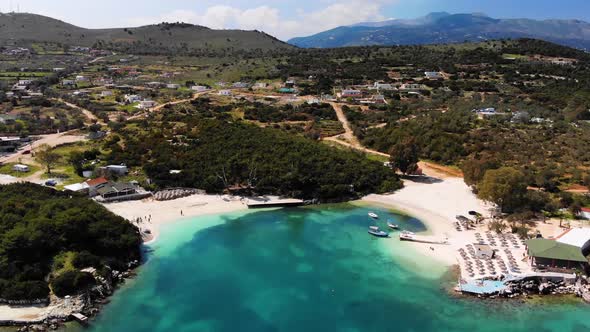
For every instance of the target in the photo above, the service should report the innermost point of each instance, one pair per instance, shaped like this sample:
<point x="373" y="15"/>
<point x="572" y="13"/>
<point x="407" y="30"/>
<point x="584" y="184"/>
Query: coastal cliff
<point x="61" y="310"/>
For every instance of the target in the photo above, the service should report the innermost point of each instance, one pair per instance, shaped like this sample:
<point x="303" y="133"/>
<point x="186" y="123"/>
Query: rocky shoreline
<point x="63" y="310"/>
<point x="579" y="287"/>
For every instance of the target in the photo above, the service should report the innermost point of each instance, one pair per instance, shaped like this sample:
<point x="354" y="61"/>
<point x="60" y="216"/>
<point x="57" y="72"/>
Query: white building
<point x="81" y="78"/>
<point x="224" y="92"/>
<point x="145" y="104"/>
<point x="585" y="213"/>
<point x="199" y="88"/>
<point x="25" y="82"/>
<point x="117" y="169"/>
<point x="77" y="187"/>
<point x="106" y="93"/>
<point x="576" y="236"/>
<point x="68" y="82"/>
<point x="20" y="168"/>
<point x="383" y="86"/>
<point x="432" y="75"/>
<point x="411" y="87"/>
<point x="240" y="85"/>
<point x="132" y="98"/>
<point x="173" y="86"/>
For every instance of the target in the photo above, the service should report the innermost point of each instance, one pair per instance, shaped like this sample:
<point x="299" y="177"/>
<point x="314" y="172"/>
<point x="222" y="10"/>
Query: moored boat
<point x="375" y="231"/>
<point x="392" y="225"/>
<point x="373" y="215"/>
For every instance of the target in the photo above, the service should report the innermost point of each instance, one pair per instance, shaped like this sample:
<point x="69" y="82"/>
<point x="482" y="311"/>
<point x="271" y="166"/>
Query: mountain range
<point x="19" y="28"/>
<point x="442" y="28"/>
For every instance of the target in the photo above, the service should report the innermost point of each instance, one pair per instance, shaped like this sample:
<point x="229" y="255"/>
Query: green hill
<point x="23" y="29"/>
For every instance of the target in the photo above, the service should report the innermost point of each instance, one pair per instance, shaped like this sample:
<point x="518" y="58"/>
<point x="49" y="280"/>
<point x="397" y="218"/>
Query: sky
<point x="282" y="18"/>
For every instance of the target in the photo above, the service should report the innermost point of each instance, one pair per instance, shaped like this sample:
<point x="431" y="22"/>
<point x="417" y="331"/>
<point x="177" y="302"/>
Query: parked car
<point x="51" y="183"/>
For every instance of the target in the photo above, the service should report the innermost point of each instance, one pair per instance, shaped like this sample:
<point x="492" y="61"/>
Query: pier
<point x="407" y="236"/>
<point x="272" y="202"/>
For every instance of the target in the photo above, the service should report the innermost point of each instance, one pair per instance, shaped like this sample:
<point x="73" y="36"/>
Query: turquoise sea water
<point x="308" y="269"/>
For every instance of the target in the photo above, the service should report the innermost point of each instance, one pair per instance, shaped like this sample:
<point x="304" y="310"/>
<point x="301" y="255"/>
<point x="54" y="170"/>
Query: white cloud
<point x="272" y="21"/>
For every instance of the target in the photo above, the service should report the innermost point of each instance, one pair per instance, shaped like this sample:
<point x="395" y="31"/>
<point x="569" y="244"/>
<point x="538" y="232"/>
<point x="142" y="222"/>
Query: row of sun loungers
<point x="475" y="265"/>
<point x="500" y="240"/>
<point x="170" y="194"/>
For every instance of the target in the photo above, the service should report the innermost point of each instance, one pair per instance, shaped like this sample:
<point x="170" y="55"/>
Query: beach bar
<point x="550" y="254"/>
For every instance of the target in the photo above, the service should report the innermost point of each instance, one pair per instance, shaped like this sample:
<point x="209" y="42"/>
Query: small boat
<point x="392" y="225"/>
<point x="375" y="231"/>
<point x="373" y="215"/>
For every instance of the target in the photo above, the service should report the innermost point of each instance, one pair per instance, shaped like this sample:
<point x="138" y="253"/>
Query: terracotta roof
<point x="96" y="182"/>
<point x="586" y="209"/>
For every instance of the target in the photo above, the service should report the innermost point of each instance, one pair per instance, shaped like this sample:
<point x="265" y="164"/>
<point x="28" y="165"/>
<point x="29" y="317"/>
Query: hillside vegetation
<point x="47" y="236"/>
<point x="162" y="38"/>
<point x="216" y="155"/>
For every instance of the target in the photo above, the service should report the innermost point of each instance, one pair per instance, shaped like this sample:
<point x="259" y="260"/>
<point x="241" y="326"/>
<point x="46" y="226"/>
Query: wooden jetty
<point x="408" y="236"/>
<point x="260" y="203"/>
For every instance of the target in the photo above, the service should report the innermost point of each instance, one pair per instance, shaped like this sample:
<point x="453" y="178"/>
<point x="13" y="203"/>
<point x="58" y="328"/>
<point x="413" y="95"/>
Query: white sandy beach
<point x="154" y="214"/>
<point x="436" y="204"/>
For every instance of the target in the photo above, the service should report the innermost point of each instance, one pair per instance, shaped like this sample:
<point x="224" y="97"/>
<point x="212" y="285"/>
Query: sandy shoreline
<point x="151" y="215"/>
<point x="435" y="203"/>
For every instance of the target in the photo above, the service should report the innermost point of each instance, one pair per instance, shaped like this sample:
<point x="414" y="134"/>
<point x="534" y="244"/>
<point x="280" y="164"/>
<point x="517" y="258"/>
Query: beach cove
<point x="308" y="269"/>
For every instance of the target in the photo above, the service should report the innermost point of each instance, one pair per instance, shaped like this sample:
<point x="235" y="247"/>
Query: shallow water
<point x="308" y="269"/>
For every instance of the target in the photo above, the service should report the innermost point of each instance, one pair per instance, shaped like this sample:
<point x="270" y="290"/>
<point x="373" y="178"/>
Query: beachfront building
<point x="78" y="187"/>
<point x="116" y="190"/>
<point x="544" y="254"/>
<point x="95" y="184"/>
<point x="576" y="237"/>
<point x="120" y="191"/>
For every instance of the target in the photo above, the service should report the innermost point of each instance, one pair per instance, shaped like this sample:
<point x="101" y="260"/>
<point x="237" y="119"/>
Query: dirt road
<point x="91" y="118"/>
<point x="51" y="140"/>
<point x="348" y="132"/>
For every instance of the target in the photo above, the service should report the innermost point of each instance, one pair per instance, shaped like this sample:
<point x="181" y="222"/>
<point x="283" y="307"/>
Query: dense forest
<point x="47" y="237"/>
<point x="216" y="155"/>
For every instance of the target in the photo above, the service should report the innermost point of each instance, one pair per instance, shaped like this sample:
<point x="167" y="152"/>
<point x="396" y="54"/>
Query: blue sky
<point x="283" y="18"/>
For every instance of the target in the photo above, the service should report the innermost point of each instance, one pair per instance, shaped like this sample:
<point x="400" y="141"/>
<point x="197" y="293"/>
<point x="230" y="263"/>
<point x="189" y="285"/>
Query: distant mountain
<point x="442" y="28"/>
<point x="30" y="28"/>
